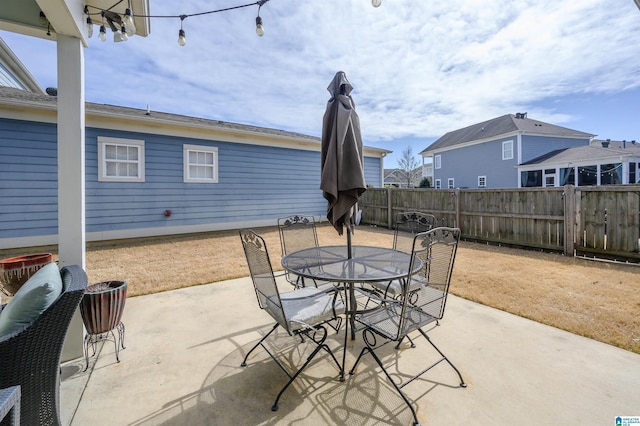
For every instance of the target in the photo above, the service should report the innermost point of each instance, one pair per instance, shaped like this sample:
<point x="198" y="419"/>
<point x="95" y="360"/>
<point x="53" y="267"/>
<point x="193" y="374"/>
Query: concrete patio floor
<point x="181" y="366"/>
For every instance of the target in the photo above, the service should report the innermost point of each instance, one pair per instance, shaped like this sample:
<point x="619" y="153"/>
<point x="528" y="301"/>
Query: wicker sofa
<point x="30" y="357"/>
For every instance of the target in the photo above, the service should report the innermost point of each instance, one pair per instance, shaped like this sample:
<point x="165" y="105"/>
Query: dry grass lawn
<point x="593" y="299"/>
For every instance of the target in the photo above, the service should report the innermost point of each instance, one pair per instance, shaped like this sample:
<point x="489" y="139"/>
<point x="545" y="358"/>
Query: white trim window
<point x="200" y="164"/>
<point x="451" y="183"/>
<point x="437" y="161"/>
<point x="482" y="181"/>
<point x="120" y="160"/>
<point x="438" y="184"/>
<point x="507" y="150"/>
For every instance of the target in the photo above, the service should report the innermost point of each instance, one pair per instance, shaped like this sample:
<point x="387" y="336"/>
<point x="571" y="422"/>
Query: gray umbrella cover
<point x="342" y="169"/>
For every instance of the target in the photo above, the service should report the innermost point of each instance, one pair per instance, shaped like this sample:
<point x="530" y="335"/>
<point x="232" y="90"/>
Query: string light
<point x="89" y="23"/>
<point x="182" y="40"/>
<point x="259" y="27"/>
<point x="103" y="31"/>
<point x="124" y="27"/>
<point x="127" y="21"/>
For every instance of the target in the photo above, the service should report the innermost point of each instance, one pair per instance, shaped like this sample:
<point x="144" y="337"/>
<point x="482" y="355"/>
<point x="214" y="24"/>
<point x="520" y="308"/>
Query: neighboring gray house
<point x="14" y="74"/>
<point x="150" y="173"/>
<point x="487" y="154"/>
<point x="399" y="178"/>
<point x="604" y="163"/>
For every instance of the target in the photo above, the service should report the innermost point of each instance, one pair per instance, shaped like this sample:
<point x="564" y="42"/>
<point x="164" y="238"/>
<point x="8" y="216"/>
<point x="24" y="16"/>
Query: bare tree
<point x="407" y="164"/>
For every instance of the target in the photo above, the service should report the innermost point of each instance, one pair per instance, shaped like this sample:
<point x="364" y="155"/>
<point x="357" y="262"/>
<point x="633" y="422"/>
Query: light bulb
<point x="89" y="27"/>
<point x="127" y="22"/>
<point x="103" y="33"/>
<point x="182" y="40"/>
<point x="124" y="33"/>
<point x="376" y="3"/>
<point x="259" y="27"/>
<point x="117" y="37"/>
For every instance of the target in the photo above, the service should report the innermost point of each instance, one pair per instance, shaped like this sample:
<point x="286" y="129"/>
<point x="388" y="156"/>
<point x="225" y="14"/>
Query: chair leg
<point x="413" y="345"/>
<point x="244" y="361"/>
<point x="462" y="383"/>
<point x="319" y="345"/>
<point x="367" y="349"/>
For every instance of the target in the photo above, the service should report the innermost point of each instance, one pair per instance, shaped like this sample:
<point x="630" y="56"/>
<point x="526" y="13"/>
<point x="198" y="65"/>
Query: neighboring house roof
<point x="583" y="154"/>
<point x="613" y="144"/>
<point x="502" y="126"/>
<point x="153" y="121"/>
<point x="13" y="73"/>
<point x="392" y="176"/>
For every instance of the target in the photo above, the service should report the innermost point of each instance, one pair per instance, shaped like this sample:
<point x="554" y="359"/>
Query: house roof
<point x="582" y="154"/>
<point x="13" y="73"/>
<point x="502" y="126"/>
<point x="16" y="98"/>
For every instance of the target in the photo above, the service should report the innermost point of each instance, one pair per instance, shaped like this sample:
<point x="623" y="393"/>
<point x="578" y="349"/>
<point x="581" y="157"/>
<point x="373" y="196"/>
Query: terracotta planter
<point x="15" y="271"/>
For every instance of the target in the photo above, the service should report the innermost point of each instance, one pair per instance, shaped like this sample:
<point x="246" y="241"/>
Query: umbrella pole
<point x="348" y="243"/>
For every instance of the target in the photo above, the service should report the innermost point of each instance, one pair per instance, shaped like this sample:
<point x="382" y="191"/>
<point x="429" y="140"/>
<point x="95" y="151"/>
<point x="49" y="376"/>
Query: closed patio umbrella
<point x="342" y="169"/>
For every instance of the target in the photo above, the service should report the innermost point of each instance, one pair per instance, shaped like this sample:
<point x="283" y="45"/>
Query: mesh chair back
<point x="426" y="300"/>
<point x="264" y="282"/>
<point x="297" y="233"/>
<point x="407" y="225"/>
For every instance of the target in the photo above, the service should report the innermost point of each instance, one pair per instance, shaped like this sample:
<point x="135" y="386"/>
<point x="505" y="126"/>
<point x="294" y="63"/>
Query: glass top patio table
<point x="367" y="264"/>
<point x="331" y="263"/>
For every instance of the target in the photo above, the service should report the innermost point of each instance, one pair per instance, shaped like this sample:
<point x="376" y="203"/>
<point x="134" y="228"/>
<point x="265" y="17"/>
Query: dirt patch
<point x="593" y="299"/>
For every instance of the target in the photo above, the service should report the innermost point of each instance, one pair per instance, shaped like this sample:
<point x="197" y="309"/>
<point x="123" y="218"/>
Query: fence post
<point x="389" y="209"/>
<point x="458" y="224"/>
<point x="569" y="220"/>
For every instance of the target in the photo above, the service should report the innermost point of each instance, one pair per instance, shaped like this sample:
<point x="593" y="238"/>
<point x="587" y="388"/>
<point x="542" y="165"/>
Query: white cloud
<point x="419" y="69"/>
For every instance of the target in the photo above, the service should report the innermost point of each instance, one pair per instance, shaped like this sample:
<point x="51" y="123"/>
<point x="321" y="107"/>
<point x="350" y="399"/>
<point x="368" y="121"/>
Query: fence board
<point x="603" y="221"/>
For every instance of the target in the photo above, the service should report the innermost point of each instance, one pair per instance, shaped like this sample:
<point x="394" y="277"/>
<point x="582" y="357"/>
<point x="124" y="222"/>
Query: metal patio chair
<point x="302" y="312"/>
<point x="298" y="232"/>
<point x="407" y="225"/>
<point x="421" y="302"/>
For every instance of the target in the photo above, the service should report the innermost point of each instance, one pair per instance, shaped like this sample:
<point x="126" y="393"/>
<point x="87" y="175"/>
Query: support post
<point x="71" y="170"/>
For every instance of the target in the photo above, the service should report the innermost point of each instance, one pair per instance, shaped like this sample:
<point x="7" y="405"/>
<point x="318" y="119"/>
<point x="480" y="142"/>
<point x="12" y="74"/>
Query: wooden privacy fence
<point x="599" y="222"/>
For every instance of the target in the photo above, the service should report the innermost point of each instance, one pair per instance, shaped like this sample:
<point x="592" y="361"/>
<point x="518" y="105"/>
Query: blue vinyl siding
<point x="535" y="146"/>
<point x="28" y="179"/>
<point x="256" y="183"/>
<point x="466" y="164"/>
<point x="372" y="172"/>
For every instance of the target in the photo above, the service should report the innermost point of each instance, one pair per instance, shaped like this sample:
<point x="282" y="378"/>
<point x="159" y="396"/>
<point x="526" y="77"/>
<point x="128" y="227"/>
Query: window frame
<point x="482" y="179"/>
<point x="438" y="184"/>
<point x="437" y="161"/>
<point x="188" y="148"/>
<point x="507" y="153"/>
<point x="103" y="142"/>
<point x="451" y="183"/>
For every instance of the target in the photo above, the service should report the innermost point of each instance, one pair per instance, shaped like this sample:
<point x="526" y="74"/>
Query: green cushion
<point x="33" y="298"/>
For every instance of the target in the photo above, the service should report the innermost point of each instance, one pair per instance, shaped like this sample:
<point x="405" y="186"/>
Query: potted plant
<point x="15" y="271"/>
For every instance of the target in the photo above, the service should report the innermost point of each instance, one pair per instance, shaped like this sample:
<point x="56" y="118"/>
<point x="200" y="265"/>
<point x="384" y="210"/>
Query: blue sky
<point x="419" y="68"/>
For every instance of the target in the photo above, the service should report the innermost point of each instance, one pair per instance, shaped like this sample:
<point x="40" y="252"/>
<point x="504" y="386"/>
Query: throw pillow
<point x="33" y="298"/>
